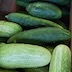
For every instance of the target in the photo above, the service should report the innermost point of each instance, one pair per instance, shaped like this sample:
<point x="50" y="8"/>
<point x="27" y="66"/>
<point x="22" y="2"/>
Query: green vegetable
<point x="44" y="10"/>
<point x="27" y="20"/>
<point x="41" y="35"/>
<point x="61" y="59"/>
<point x="8" y="29"/>
<point x="23" y="56"/>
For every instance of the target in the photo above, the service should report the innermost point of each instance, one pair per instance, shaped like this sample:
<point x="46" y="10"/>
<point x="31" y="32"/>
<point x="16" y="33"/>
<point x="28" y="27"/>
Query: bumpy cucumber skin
<point x="41" y="35"/>
<point x="40" y="69"/>
<point x="60" y="2"/>
<point x="44" y="10"/>
<point x="23" y="56"/>
<point x="61" y="59"/>
<point x="8" y="29"/>
<point x="28" y="20"/>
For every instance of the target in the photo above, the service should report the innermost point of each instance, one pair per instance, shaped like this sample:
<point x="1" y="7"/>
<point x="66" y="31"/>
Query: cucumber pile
<point x="35" y="39"/>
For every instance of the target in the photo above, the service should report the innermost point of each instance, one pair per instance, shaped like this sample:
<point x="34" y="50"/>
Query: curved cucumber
<point x="40" y="69"/>
<point x="7" y="29"/>
<point x="61" y="59"/>
<point x="41" y="35"/>
<point x="44" y="10"/>
<point x="60" y="2"/>
<point x="27" y="20"/>
<point x="23" y="56"/>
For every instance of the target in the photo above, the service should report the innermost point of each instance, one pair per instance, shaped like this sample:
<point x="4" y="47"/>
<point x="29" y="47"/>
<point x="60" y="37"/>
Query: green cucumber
<point x="6" y="70"/>
<point x="61" y="59"/>
<point x="41" y="35"/>
<point x="27" y="20"/>
<point x="40" y="69"/>
<point x="59" y="2"/>
<point x="44" y="10"/>
<point x="8" y="29"/>
<point x="23" y="56"/>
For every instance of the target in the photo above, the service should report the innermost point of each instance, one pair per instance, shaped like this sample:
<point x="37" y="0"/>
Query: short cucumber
<point x="23" y="56"/>
<point x="41" y="35"/>
<point x="59" y="2"/>
<point x="7" y="29"/>
<point x="40" y="69"/>
<point x="61" y="59"/>
<point x="44" y="10"/>
<point x="28" y="20"/>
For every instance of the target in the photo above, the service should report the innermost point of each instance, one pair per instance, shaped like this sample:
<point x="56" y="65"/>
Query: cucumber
<point x="61" y="59"/>
<point x="41" y="35"/>
<point x="23" y="56"/>
<point x="44" y="10"/>
<point x="60" y="2"/>
<point x="40" y="69"/>
<point x="27" y="20"/>
<point x="7" y="29"/>
<point x="6" y="70"/>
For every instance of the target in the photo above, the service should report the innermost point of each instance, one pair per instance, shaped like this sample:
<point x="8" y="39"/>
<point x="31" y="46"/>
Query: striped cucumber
<point x="44" y="10"/>
<point x="23" y="56"/>
<point x="41" y="35"/>
<point x="61" y="59"/>
<point x="7" y="29"/>
<point x="28" y="20"/>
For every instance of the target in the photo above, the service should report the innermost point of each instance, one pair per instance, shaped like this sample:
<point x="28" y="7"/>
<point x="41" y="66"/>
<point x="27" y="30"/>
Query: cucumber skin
<point x="23" y="56"/>
<point x="44" y="10"/>
<point x="41" y="35"/>
<point x="28" y="20"/>
<point x="8" y="29"/>
<point x="26" y="0"/>
<point x="60" y="2"/>
<point x="61" y="59"/>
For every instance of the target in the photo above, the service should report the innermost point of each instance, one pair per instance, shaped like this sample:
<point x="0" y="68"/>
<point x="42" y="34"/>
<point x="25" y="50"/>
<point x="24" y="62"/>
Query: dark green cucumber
<point x="59" y="2"/>
<point x="40" y="69"/>
<point x="61" y="59"/>
<point x="23" y="56"/>
<point x="41" y="35"/>
<point x="7" y="29"/>
<point x="44" y="10"/>
<point x="27" y="20"/>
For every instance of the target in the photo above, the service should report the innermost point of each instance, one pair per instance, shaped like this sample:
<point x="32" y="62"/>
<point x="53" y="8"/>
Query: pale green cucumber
<point x="23" y="56"/>
<point x="28" y="20"/>
<point x="8" y="29"/>
<point x="61" y="59"/>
